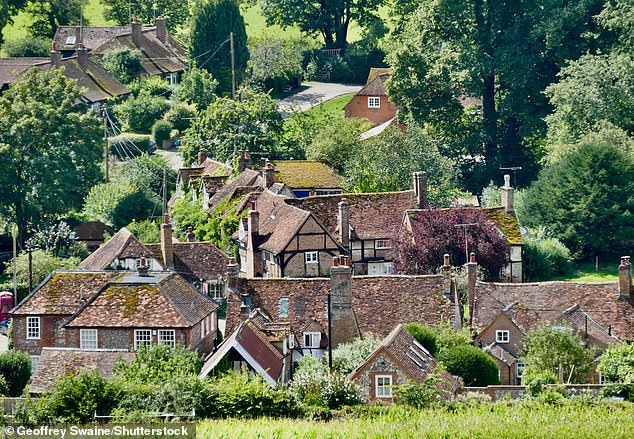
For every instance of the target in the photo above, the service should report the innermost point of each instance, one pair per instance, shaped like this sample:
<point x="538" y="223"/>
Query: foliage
<point x="197" y="87"/>
<point x="180" y="115"/>
<point x="43" y="264"/>
<point x="585" y="198"/>
<point x="147" y="231"/>
<point x="48" y="15"/>
<point x="252" y="122"/>
<point x="146" y="173"/>
<point x="117" y="204"/>
<point x="120" y="11"/>
<point x="139" y="114"/>
<point x="421" y="395"/>
<point x="223" y="222"/>
<point x="8" y="10"/>
<point x="161" y="131"/>
<point x="617" y="16"/>
<point x="423" y="335"/>
<point x="124" y="64"/>
<point x="57" y="239"/>
<point x="158" y="364"/>
<point x="188" y="213"/>
<point x="558" y="351"/>
<point x="545" y="257"/>
<point x="336" y="142"/>
<point x="211" y="23"/>
<point x="313" y="386"/>
<point x="617" y="363"/>
<point x="491" y="195"/>
<point x="48" y="164"/>
<point x="434" y="234"/>
<point x="274" y="61"/>
<point x="474" y="366"/>
<point x="348" y="356"/>
<point x="4" y="388"/>
<point x="27" y="47"/>
<point x="128" y="145"/>
<point x="447" y="337"/>
<point x="299" y="130"/>
<point x="15" y="368"/>
<point x="150" y="86"/>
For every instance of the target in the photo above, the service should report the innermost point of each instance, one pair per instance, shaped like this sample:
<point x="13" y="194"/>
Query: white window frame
<point x="35" y="360"/>
<point x="312" y="336"/>
<point x="311" y="257"/>
<point x="519" y="369"/>
<point x="138" y="342"/>
<point x="374" y="102"/>
<point x="385" y="388"/>
<point x="500" y="336"/>
<point x="172" y="78"/>
<point x="291" y="341"/>
<point x="214" y="289"/>
<point x="382" y="244"/>
<point x="33" y="328"/>
<point x="88" y="336"/>
<point x="167" y="336"/>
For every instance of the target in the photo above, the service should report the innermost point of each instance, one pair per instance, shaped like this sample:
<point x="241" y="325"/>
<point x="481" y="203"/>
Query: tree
<point x="43" y="264"/>
<point x="211" y="24"/>
<point x="27" y="47"/>
<point x="424" y="335"/>
<point x="274" y="61"/>
<point x="120" y="11"/>
<point x="330" y="18"/>
<point x="348" y="356"/>
<point x="124" y="64"/>
<point x="146" y="173"/>
<point x="435" y="233"/>
<point x="57" y="239"/>
<point x="475" y="367"/>
<point x="48" y="164"/>
<point x="336" y="142"/>
<point x="585" y="198"/>
<point x="48" y="15"/>
<point x="251" y="122"/>
<point x="197" y="87"/>
<point x="15" y="367"/>
<point x="8" y="9"/>
<point x="617" y="363"/>
<point x="147" y="231"/>
<point x="158" y="364"/>
<point x="556" y="351"/>
<point x="117" y="204"/>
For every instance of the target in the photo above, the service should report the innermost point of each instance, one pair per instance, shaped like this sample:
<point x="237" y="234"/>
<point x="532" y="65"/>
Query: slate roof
<point x="372" y="216"/>
<point x="159" y="300"/>
<point x="195" y="260"/>
<point x="306" y="174"/>
<point x="601" y="301"/>
<point x="56" y="363"/>
<point x="122" y="245"/>
<point x="63" y="292"/>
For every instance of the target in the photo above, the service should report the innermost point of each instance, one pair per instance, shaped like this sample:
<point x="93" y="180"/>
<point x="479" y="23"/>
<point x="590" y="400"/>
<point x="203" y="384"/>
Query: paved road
<point x="315" y="94"/>
<point x="173" y="157"/>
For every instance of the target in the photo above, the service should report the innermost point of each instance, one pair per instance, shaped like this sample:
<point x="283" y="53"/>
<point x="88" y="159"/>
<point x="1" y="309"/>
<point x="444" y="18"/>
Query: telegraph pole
<point x="466" y="241"/>
<point x="105" y="135"/>
<point x="233" y="68"/>
<point x="14" y="232"/>
<point x="329" y="332"/>
<point x="164" y="191"/>
<point x="30" y="253"/>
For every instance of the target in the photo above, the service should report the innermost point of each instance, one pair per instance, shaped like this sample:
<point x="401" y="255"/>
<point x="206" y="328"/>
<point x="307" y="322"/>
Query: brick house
<point x="372" y="102"/>
<point x="397" y="360"/>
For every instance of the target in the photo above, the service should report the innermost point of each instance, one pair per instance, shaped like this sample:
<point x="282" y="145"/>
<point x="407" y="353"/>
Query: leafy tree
<point x="211" y="24"/>
<point x="8" y="9"/>
<point x="348" y="356"/>
<point x="43" y="264"/>
<point x="57" y="239"/>
<point x="146" y="173"/>
<point x="180" y="115"/>
<point x="150" y="86"/>
<point x="161" y="131"/>
<point x="139" y="114"/>
<point x="274" y="61"/>
<point x="299" y="130"/>
<point x="188" y="213"/>
<point x="474" y="366"/>
<point x="434" y="234"/>
<point x="617" y="16"/>
<point x="124" y="64"/>
<point x="557" y="351"/>
<point x="25" y="47"/>
<point x="422" y="395"/>
<point x="197" y="87"/>
<point x="251" y="122"/>
<point x="424" y="335"/>
<point x="617" y="363"/>
<point x="147" y="231"/>
<point x="15" y="367"/>
<point x="175" y="12"/>
<point x="331" y="19"/>
<point x="49" y="14"/>
<point x="117" y="204"/>
<point x="48" y="164"/>
<point x="585" y="198"/>
<point x="158" y="364"/>
<point x="336" y="142"/>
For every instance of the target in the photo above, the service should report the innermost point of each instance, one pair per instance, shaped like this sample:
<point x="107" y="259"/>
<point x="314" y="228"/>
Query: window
<point x="311" y="257"/>
<point x="239" y="365"/>
<point x="312" y="339"/>
<point x="502" y="336"/>
<point x="167" y="336"/>
<point x="142" y="337"/>
<point x="383" y="386"/>
<point x="35" y="360"/>
<point x="33" y="328"/>
<point x="214" y="289"/>
<point x="283" y="307"/>
<point x="203" y="328"/>
<point x="172" y="78"/>
<point x="88" y="339"/>
<point x="291" y="341"/>
<point x="374" y="102"/>
<point x="382" y="244"/>
<point x="519" y="370"/>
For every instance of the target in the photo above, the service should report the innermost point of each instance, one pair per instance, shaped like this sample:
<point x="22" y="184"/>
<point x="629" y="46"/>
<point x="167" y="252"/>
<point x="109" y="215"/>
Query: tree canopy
<point x="8" y="8"/>
<point x="120" y="11"/>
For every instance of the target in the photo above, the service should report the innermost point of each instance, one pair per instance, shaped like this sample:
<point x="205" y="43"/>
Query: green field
<point x="333" y="106"/>
<point x="586" y="272"/>
<point x="500" y="420"/>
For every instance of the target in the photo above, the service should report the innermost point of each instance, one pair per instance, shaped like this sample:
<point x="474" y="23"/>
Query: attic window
<point x="374" y="102"/>
<point x="502" y="336"/>
<point x="312" y="340"/>
<point x="283" y="307"/>
<point x="70" y="40"/>
<point x="382" y="244"/>
<point x="311" y="257"/>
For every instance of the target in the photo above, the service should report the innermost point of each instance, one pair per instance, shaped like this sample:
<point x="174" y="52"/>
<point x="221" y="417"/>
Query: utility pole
<point x="164" y="191"/>
<point x="233" y="68"/>
<point x="30" y="252"/>
<point x="466" y="241"/>
<point x="104" y="112"/>
<point x="14" y="233"/>
<point x="329" y="333"/>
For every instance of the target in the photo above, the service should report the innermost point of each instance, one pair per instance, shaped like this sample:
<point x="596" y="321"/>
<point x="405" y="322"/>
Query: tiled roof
<point x="372" y="216"/>
<point x="195" y="260"/>
<point x="56" y="363"/>
<point x="92" y="231"/>
<point x="12" y="68"/>
<point x="601" y="301"/>
<point x="213" y="167"/>
<point x="92" y="36"/>
<point x="306" y="174"/>
<point x="377" y="71"/>
<point x="64" y="292"/>
<point x="159" y="300"/>
<point x="376" y="87"/>
<point x="247" y="178"/>
<point x="122" y="245"/>
<point x="507" y="223"/>
<point x="581" y="320"/>
<point x="525" y="319"/>
<point x="502" y="354"/>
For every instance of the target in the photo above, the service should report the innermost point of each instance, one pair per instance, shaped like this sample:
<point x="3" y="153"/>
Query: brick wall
<point x="51" y="334"/>
<point x="357" y="108"/>
<point x="366" y="380"/>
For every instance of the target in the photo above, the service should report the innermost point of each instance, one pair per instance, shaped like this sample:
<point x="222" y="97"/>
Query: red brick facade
<point x="358" y="108"/>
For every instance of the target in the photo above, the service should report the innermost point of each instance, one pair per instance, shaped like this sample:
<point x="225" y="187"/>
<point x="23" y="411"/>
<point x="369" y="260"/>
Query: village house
<point x="307" y="178"/>
<point x="372" y="102"/>
<point x="92" y="233"/>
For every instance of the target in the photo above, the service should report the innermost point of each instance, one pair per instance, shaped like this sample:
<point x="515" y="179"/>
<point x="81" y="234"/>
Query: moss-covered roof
<point x="507" y="223"/>
<point x="306" y="174"/>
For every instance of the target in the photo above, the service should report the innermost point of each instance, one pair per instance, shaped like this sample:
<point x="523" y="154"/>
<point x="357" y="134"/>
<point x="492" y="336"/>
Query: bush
<point x="317" y="387"/>
<point x="474" y="366"/>
<point x="617" y="364"/>
<point x="42" y="265"/>
<point x="124" y="64"/>
<point x="147" y="231"/>
<point x="545" y="258"/>
<point x="27" y="47"/>
<point x="180" y="116"/>
<point x="15" y="367"/>
<point x="117" y="204"/>
<point x="129" y="145"/>
<point x="4" y="387"/>
<point x="139" y="114"/>
<point x="348" y="356"/>
<point x="424" y="335"/>
<point x="161" y="131"/>
<point x="158" y="364"/>
<point x="57" y="239"/>
<point x="421" y="395"/>
<point x="150" y="86"/>
<point x="197" y="87"/>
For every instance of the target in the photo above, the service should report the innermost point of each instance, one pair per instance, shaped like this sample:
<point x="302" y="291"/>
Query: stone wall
<point x="381" y="365"/>
<point x="514" y="392"/>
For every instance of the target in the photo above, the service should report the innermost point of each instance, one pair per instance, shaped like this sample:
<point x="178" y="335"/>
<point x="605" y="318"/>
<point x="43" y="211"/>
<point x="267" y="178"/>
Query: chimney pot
<point x="335" y="261"/>
<point x="143" y="269"/>
<point x="446" y="260"/>
<point x="191" y="236"/>
<point x="161" y="28"/>
<point x="56" y="55"/>
<point x="472" y="258"/>
<point x="507" y="194"/>
<point x="625" y="277"/>
<point x="202" y="156"/>
<point x="420" y="190"/>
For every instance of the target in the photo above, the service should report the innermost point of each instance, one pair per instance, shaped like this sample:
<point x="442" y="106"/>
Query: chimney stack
<point x="625" y="277"/>
<point x="472" y="276"/>
<point x="167" y="246"/>
<point x="233" y="274"/>
<point x="507" y="194"/>
<point x="202" y="156"/>
<point x="191" y="236"/>
<point x="420" y="190"/>
<point x="344" y="223"/>
<point x="56" y="55"/>
<point x="161" y="28"/>
<point x="253" y="261"/>
<point x="244" y="161"/>
<point x="268" y="174"/>
<point x="343" y="320"/>
<point x="136" y="31"/>
<point x="143" y="268"/>
<point x="82" y="54"/>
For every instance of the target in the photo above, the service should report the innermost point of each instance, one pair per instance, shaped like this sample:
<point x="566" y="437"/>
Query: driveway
<point x="173" y="157"/>
<point x="314" y="94"/>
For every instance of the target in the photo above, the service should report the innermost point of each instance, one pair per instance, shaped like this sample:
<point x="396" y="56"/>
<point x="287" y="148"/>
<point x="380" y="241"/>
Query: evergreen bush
<point x="474" y="366"/>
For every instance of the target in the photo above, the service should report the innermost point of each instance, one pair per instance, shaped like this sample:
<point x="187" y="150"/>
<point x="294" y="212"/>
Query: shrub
<point x="197" y="87"/>
<point x="424" y="335"/>
<point x="337" y="391"/>
<point x="124" y="64"/>
<point x="150" y="86"/>
<point x="348" y="356"/>
<point x="421" y="395"/>
<point x="545" y="258"/>
<point x="180" y="116"/>
<point x="147" y="231"/>
<point x="117" y="204"/>
<point x="617" y="364"/>
<point x="58" y="239"/>
<point x="317" y="387"/>
<point x="4" y="387"/>
<point x="27" y="47"/>
<point x="129" y="145"/>
<point x="15" y="367"/>
<point x="161" y="131"/>
<point x="139" y="114"/>
<point x="42" y="265"/>
<point x="474" y="366"/>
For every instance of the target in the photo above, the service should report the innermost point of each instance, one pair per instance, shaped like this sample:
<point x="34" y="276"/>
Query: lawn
<point x="333" y="106"/>
<point x="586" y="272"/>
<point x="501" y="420"/>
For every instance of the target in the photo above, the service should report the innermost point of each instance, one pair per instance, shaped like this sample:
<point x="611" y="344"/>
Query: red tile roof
<point x="195" y="260"/>
<point x="122" y="245"/>
<point x="375" y="87"/>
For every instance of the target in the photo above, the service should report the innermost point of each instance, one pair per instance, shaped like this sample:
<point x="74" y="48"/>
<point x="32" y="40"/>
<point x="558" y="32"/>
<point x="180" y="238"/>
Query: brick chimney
<point x="253" y="261"/>
<point x="267" y="173"/>
<point x="507" y="194"/>
<point x="344" y="322"/>
<point x="625" y="277"/>
<point x="191" y="236"/>
<point x="233" y="274"/>
<point x="82" y="54"/>
<point x="472" y="276"/>
<point x="161" y="29"/>
<point x="143" y="268"/>
<point x="420" y="190"/>
<point x="167" y="246"/>
<point x="56" y="55"/>
<point x="136" y="27"/>
<point x="344" y="223"/>
<point x="202" y="156"/>
<point x="244" y="161"/>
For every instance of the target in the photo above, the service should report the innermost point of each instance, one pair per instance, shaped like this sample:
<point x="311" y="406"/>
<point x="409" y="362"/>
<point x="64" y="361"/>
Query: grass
<point x="500" y="420"/>
<point x="586" y="272"/>
<point x="333" y="106"/>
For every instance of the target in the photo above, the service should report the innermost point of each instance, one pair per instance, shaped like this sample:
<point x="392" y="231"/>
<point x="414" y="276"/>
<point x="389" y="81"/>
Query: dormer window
<point x="502" y="336"/>
<point x="312" y="340"/>
<point x="374" y="102"/>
